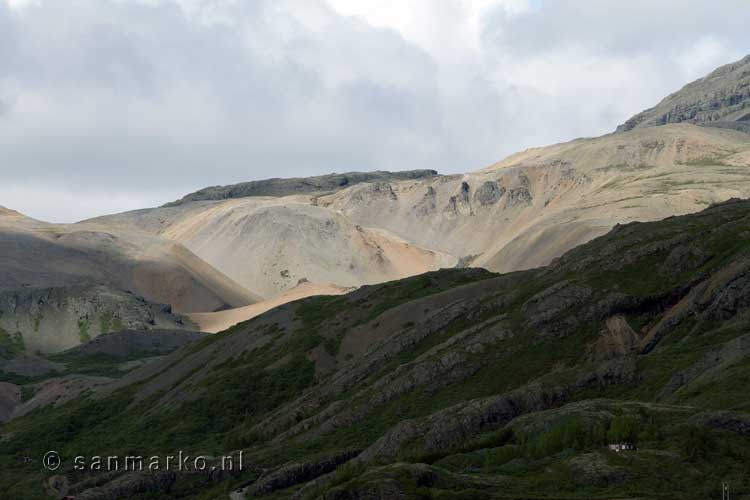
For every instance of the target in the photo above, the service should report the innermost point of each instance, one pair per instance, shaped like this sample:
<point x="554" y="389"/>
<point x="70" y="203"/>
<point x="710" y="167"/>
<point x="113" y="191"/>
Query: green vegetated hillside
<point x="458" y="384"/>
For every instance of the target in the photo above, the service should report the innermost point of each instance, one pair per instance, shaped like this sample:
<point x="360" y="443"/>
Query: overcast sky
<point x="109" y="105"/>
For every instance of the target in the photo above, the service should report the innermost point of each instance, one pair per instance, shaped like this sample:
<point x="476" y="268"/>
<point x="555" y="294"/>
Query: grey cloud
<point x="618" y="27"/>
<point x="137" y="101"/>
<point x="171" y="100"/>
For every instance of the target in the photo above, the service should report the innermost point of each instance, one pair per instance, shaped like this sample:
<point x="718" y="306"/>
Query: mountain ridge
<point x="355" y="229"/>
<point x="299" y="185"/>
<point x="518" y="213"/>
<point x="721" y="96"/>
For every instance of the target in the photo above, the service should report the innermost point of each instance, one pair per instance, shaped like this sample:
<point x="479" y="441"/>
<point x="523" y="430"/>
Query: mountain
<point x="721" y="98"/>
<point x="268" y="244"/>
<point x="230" y="247"/>
<point x="533" y="206"/>
<point x="620" y="318"/>
<point x="358" y="228"/>
<point x="517" y="214"/>
<point x="301" y="185"/>
<point x="61" y="284"/>
<point x="453" y="384"/>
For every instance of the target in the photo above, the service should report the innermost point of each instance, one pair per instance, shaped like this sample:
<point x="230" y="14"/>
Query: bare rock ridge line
<point x="722" y="97"/>
<point x="300" y="185"/>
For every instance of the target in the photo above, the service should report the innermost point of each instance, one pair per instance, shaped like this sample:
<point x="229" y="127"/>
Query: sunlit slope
<point x="535" y="205"/>
<point x="269" y="244"/>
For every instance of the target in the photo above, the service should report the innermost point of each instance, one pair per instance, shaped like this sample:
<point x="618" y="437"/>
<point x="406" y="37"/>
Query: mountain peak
<point x="722" y="98"/>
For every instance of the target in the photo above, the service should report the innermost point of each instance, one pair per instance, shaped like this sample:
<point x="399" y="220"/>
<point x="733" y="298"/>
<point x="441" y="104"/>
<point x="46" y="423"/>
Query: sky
<point x="112" y="105"/>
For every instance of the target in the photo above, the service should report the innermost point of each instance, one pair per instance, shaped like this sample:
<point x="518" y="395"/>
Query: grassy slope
<point x="640" y="271"/>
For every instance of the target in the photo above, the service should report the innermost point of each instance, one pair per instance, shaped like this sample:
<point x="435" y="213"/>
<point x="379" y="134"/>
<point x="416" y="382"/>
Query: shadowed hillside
<point x="64" y="284"/>
<point x="455" y="384"/>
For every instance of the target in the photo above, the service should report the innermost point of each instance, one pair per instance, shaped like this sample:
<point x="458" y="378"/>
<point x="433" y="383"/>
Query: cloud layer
<point x="107" y="105"/>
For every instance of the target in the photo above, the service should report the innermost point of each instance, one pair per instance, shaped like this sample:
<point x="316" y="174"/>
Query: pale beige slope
<point x="221" y="320"/>
<point x="269" y="244"/>
<point x="521" y="212"/>
<point x="642" y="175"/>
<point x="41" y="255"/>
<point x="535" y="205"/>
<point x="6" y="212"/>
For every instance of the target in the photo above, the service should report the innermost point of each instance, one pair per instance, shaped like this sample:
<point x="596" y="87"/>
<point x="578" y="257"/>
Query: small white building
<point x="619" y="447"/>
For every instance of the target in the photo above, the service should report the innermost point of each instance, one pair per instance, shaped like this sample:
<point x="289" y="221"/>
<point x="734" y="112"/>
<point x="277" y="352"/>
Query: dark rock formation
<point x="461" y="202"/>
<point x="427" y="205"/>
<point x="300" y="185"/>
<point x="722" y="96"/>
<point x="298" y="473"/>
<point x="489" y="193"/>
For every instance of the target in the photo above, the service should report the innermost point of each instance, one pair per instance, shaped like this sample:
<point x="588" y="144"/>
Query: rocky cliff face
<point x="55" y="319"/>
<point x="721" y="97"/>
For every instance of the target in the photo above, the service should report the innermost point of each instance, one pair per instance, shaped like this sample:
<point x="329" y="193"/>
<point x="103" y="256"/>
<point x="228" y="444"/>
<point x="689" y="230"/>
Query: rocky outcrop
<point x="55" y="319"/>
<point x="617" y="339"/>
<point x="710" y="365"/>
<point x="722" y="96"/>
<point x="447" y="429"/>
<point x="302" y="185"/>
<point x="718" y="297"/>
<point x="488" y="193"/>
<point x="427" y="205"/>
<point x="460" y="203"/>
<point x="729" y="421"/>
<point x="298" y="473"/>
